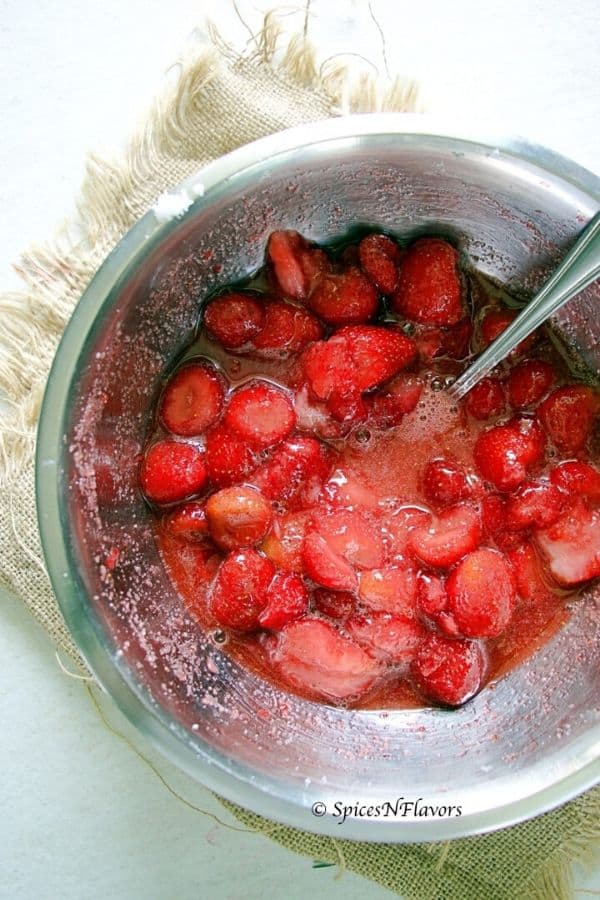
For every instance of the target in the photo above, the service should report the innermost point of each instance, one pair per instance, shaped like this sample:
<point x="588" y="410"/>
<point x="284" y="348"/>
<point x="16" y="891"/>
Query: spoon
<point x="579" y="268"/>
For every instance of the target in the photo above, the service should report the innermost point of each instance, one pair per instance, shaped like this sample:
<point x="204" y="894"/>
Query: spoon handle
<point x="579" y="268"/>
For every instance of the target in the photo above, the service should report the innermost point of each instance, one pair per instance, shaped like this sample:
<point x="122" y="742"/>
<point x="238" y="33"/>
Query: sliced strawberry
<point x="283" y="544"/>
<point x="447" y="671"/>
<point x="453" y="342"/>
<point x="172" y="471"/>
<point x="296" y="263"/>
<point x="481" y="594"/>
<point x="445" y="482"/>
<point x="345" y="489"/>
<point x="495" y="322"/>
<point x="286" y="329"/>
<point x="314" y="417"/>
<point x="529" y="576"/>
<point x="449" y="537"/>
<point x="312" y="656"/>
<point x="188" y="521"/>
<point x="193" y="399"/>
<point x="324" y="566"/>
<point x="337" y="605"/>
<point x="239" y="593"/>
<point x="486" y="399"/>
<point x="391" y="638"/>
<point x="287" y="600"/>
<point x="352" y="535"/>
<point x="429" y="285"/>
<point x="568" y="415"/>
<point x="528" y="382"/>
<point x="392" y="589"/>
<point x="238" y="517"/>
<point x="535" y="504"/>
<point x="577" y="478"/>
<point x="493" y="514"/>
<point x="506" y="453"/>
<point x="260" y="414"/>
<point x="295" y="462"/>
<point x="233" y="320"/>
<point x="401" y="523"/>
<point x="388" y="406"/>
<point x="229" y="458"/>
<point x="432" y="603"/>
<point x="379" y="257"/>
<point x="348" y="407"/>
<point x="347" y="298"/>
<point x="571" y="547"/>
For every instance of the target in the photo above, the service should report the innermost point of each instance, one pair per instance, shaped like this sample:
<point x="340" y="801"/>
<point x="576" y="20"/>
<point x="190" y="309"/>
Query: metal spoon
<point x="579" y="268"/>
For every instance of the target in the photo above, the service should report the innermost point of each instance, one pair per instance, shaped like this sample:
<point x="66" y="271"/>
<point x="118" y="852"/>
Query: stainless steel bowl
<point x="525" y="744"/>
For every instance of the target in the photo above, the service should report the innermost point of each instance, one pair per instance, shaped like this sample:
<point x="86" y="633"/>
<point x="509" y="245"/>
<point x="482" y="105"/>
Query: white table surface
<point x="82" y="816"/>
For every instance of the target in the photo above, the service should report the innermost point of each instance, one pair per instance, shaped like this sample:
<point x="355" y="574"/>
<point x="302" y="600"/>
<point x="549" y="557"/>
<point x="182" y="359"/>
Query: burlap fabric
<point x="217" y="103"/>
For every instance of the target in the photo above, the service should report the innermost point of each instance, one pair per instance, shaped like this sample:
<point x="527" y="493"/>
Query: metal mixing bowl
<point x="526" y="743"/>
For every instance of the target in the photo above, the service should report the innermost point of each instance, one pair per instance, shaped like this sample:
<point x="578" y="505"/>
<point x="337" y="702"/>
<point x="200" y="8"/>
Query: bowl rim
<point x="210" y="767"/>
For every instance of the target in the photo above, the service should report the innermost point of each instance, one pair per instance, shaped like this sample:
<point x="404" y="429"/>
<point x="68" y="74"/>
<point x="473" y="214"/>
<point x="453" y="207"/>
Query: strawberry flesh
<point x="481" y="594"/>
<point x="379" y="257"/>
<point x="260" y="414"/>
<point x="506" y="453"/>
<point x="287" y="600"/>
<point x="429" y="285"/>
<point x="568" y="416"/>
<point x="528" y="382"/>
<point x="347" y="298"/>
<point x="239" y="593"/>
<point x="571" y="546"/>
<point x="238" y="517"/>
<point x="390" y="638"/>
<point x="447" y="671"/>
<point x="449" y="537"/>
<point x="233" y="320"/>
<point x="172" y="471"/>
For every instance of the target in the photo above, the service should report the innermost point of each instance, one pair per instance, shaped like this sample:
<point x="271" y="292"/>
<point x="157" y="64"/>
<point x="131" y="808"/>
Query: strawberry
<point x="234" y="319"/>
<point x="353" y="536"/>
<point x="568" y="416"/>
<point x="453" y="342"/>
<point x="432" y="603"/>
<point x="260" y="413"/>
<point x="400" y="524"/>
<point x="429" y="285"/>
<point x="505" y="453"/>
<point x="388" y="406"/>
<point x="493" y="514"/>
<point x="379" y="257"/>
<point x="239" y="593"/>
<point x="287" y="600"/>
<point x="335" y="604"/>
<point x="390" y="638"/>
<point x="295" y="462"/>
<point x="345" y="489"/>
<point x="283" y="544"/>
<point x="528" y="382"/>
<point x="193" y="399"/>
<point x="346" y="298"/>
<point x="494" y="323"/>
<point x="451" y="535"/>
<point x="486" y="399"/>
<point x="286" y="329"/>
<point x="348" y="408"/>
<point x="481" y="594"/>
<point x="529" y="577"/>
<point x="445" y="482"/>
<point x="238" y="517"/>
<point x="188" y="521"/>
<point x="296" y="264"/>
<point x="314" y="417"/>
<point x="324" y="566"/>
<point x="535" y="504"/>
<point x="229" y="458"/>
<point x="577" y="478"/>
<point x="172" y="471"/>
<point x="312" y="656"/>
<point x="571" y="547"/>
<point x="391" y="590"/>
<point x="447" y="671"/>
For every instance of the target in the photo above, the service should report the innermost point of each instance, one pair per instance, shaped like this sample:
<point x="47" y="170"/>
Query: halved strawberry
<point x="429" y="286"/>
<point x="578" y="478"/>
<point x="445" y="482"/>
<point x="193" y="399"/>
<point x="296" y="264"/>
<point x="392" y="589"/>
<point x="379" y="257"/>
<point x="432" y="603"/>
<point x="260" y="414"/>
<point x="506" y="453"/>
<point x="449" y="537"/>
<point x="529" y="576"/>
<point x="495" y="322"/>
<point x="345" y="298"/>
<point x="324" y="566"/>
<point x="528" y="382"/>
<point x="238" y="516"/>
<point x="453" y="342"/>
<point x="401" y="523"/>
<point x="568" y="415"/>
<point x="535" y="504"/>
<point x="338" y="605"/>
<point x="172" y="471"/>
<point x="389" y="405"/>
<point x="229" y="458"/>
<point x="287" y="600"/>
<point x="283" y="544"/>
<point x="345" y="489"/>
<point x="189" y="521"/>
<point x="481" y="594"/>
<point x="448" y="671"/>
<point x="486" y="399"/>
<point x="239" y="593"/>
<point x="234" y="319"/>
<point x="286" y="329"/>
<point x="351" y="534"/>
<point x="493" y="514"/>
<point x="295" y="462"/>
<point x="312" y="656"/>
<point x="571" y="547"/>
<point x="391" y="638"/>
<point x="314" y="417"/>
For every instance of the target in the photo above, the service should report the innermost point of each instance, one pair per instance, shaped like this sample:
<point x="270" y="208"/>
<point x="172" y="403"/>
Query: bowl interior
<point x="534" y="730"/>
